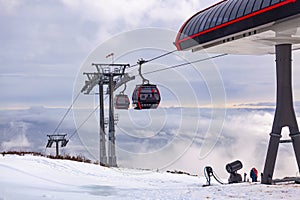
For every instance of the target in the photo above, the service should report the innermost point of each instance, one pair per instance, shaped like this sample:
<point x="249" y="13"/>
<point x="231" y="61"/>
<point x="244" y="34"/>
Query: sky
<point x="44" y="43"/>
<point x="47" y="45"/>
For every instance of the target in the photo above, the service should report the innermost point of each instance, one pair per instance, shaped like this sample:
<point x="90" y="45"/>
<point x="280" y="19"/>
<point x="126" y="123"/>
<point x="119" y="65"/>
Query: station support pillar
<point x="284" y="113"/>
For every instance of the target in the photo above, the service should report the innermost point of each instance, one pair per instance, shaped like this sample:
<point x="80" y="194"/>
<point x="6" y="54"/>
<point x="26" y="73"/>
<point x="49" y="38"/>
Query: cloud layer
<point x="176" y="138"/>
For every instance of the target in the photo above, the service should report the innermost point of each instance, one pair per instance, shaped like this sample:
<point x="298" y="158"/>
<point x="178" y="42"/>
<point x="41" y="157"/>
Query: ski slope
<point x="32" y="177"/>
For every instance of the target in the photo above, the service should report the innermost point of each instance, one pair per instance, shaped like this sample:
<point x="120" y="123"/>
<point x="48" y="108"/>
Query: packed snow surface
<point x="32" y="177"/>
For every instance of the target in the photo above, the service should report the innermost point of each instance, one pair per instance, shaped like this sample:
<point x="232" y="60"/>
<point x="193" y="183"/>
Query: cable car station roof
<point x="242" y="27"/>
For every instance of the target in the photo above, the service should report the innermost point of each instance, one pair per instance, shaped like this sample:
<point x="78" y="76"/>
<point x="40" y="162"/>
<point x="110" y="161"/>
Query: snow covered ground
<point x="31" y="177"/>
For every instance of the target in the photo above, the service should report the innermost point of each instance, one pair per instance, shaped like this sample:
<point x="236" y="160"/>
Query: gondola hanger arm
<point x="140" y="62"/>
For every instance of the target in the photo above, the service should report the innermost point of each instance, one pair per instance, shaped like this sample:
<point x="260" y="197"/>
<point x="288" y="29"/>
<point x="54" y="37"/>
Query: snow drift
<point x="34" y="177"/>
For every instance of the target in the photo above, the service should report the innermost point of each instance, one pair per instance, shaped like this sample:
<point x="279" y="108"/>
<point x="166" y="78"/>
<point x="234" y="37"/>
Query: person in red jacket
<point x="254" y="174"/>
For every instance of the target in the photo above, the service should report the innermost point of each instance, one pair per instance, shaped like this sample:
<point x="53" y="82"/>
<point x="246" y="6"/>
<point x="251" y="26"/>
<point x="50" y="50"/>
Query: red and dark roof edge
<point x="187" y="21"/>
<point x="180" y="43"/>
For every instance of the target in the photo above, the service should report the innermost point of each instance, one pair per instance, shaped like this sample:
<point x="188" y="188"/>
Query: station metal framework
<point x="254" y="27"/>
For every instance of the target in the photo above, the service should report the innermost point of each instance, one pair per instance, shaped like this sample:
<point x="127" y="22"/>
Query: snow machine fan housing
<point x="232" y="169"/>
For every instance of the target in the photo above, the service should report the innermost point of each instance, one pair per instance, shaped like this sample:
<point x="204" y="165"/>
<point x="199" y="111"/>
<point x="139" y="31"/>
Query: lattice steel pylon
<point x="57" y="138"/>
<point x="112" y="75"/>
